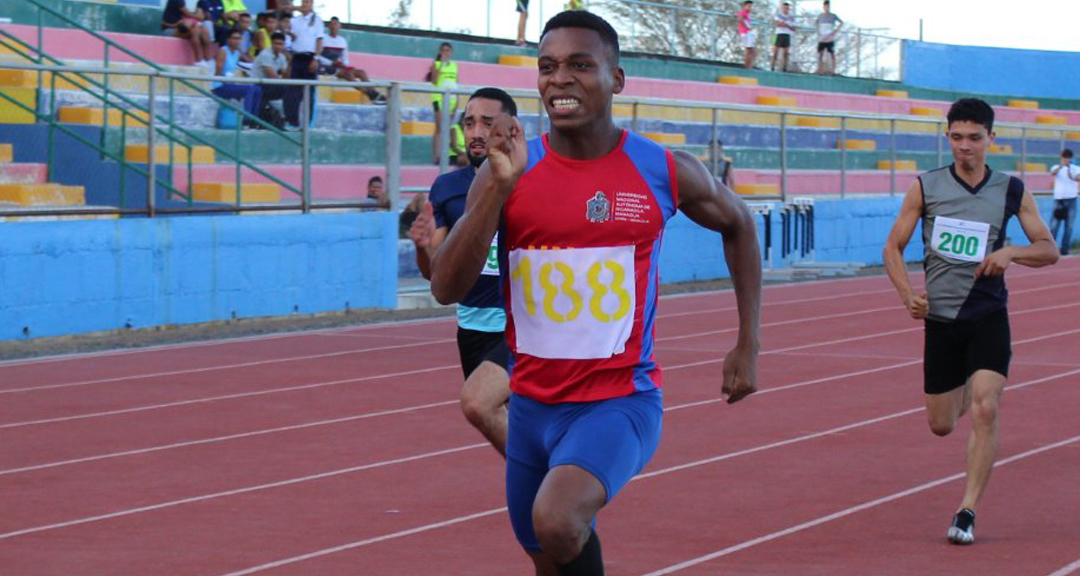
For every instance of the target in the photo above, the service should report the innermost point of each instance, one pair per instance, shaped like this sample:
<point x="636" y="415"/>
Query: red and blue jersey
<point x="580" y="247"/>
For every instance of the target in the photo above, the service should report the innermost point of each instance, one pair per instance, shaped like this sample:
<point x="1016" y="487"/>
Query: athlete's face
<point x="970" y="142"/>
<point x="480" y="115"/>
<point x="578" y="77"/>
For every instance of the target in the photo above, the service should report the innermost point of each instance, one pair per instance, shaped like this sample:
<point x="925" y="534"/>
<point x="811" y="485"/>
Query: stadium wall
<point x="975" y="69"/>
<point x="95" y="275"/>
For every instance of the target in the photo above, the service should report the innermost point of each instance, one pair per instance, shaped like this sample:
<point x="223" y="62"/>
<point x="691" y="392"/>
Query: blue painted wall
<point x="1034" y="73"/>
<point x="70" y="277"/>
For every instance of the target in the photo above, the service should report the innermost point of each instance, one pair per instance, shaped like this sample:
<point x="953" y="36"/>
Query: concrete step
<point x="23" y="173"/>
<point x="7" y="153"/>
<point x="226" y="192"/>
<point x="42" y="194"/>
<point x="140" y="153"/>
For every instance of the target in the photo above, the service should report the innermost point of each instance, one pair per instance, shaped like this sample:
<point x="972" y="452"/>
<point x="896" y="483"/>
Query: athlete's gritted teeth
<point x="565" y="104"/>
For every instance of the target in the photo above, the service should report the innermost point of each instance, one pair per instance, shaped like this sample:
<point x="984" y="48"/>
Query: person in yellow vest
<point x="575" y="5"/>
<point x="443" y="74"/>
<point x="458" y="156"/>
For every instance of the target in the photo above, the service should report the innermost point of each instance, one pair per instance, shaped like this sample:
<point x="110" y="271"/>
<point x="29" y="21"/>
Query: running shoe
<point x="962" y="530"/>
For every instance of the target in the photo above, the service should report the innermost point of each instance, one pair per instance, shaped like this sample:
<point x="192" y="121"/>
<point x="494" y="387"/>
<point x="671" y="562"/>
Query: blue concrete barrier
<point x="60" y="278"/>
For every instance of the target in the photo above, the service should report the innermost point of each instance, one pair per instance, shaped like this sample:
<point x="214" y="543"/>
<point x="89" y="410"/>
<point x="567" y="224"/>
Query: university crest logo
<point x="598" y="208"/>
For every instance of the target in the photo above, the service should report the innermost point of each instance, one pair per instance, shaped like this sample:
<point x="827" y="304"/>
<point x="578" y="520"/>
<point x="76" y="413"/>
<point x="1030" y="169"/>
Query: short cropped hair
<point x="583" y="19"/>
<point x="972" y="110"/>
<point x="1066" y="153"/>
<point x="508" y="104"/>
<point x="374" y="179"/>
<point x="277" y="36"/>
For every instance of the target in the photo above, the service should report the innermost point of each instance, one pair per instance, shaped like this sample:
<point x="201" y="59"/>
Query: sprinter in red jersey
<point x="582" y="212"/>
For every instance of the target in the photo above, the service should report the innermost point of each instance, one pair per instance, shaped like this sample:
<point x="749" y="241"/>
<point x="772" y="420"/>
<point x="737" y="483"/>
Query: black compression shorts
<point x="826" y="46"/>
<point x="955" y="350"/>
<point x="783" y="41"/>
<point x="475" y="347"/>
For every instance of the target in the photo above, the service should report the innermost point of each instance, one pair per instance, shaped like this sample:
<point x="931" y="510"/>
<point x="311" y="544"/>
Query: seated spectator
<point x="458" y="155"/>
<point x="334" y="60"/>
<point x="267" y="24"/>
<point x="244" y="26"/>
<point x="228" y="60"/>
<point x="723" y="164"/>
<point x="285" y="27"/>
<point x="410" y="212"/>
<point x="180" y="21"/>
<point x="233" y="11"/>
<point x="376" y="191"/>
<point x="272" y="63"/>
<point x="212" y="11"/>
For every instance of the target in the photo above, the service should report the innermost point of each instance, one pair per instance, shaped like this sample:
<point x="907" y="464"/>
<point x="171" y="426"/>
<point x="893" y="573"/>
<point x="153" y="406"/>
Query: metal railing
<point x="396" y="106"/>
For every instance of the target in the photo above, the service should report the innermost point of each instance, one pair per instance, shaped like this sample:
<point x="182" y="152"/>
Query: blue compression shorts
<point x="611" y="439"/>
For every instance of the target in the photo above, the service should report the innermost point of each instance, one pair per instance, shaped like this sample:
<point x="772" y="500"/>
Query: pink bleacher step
<point x="74" y="44"/>
<point x="328" y="182"/>
<point x="23" y="173"/>
<point x="827" y="182"/>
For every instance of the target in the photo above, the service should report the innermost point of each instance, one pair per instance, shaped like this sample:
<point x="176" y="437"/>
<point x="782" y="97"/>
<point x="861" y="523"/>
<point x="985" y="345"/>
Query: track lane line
<point x="1066" y="570"/>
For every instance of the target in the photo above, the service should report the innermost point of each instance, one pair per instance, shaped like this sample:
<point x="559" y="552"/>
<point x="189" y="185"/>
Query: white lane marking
<point x="852" y="510"/>
<point x="459" y="519"/>
<point x="1065" y="571"/>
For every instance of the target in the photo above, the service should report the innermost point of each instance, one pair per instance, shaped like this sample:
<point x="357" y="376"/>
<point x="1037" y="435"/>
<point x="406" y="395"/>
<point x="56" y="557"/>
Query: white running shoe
<point x="962" y="530"/>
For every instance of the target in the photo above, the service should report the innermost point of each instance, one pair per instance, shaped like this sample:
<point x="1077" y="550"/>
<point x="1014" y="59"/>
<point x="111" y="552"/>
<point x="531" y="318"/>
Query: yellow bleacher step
<point x="737" y="80"/>
<point x="1050" y="119"/>
<point x="7" y="153"/>
<point x="1031" y="167"/>
<point x="1001" y="149"/>
<point x="417" y="128"/>
<point x="858" y="144"/>
<point x="926" y="111"/>
<point x="42" y="194"/>
<point x="893" y="93"/>
<point x="786" y="101"/>
<point x="94" y="116"/>
<point x="12" y="114"/>
<point x="811" y="122"/>
<point x="1023" y="104"/>
<point x="757" y="189"/>
<point x="669" y="138"/>
<point x="517" y="60"/>
<point x="900" y="165"/>
<point x="1072" y="135"/>
<point x="347" y="96"/>
<point x="11" y="78"/>
<point x="226" y="192"/>
<point x="140" y="153"/>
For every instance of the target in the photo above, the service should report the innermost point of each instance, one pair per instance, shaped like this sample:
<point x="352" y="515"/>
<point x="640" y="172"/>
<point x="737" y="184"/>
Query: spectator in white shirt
<point x="334" y="60"/>
<point x="785" y="30"/>
<point x="1066" y="177"/>
<point x="307" y="39"/>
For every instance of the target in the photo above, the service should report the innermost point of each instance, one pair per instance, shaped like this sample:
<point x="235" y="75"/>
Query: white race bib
<point x="491" y="266"/>
<point x="575" y="303"/>
<point x="960" y="239"/>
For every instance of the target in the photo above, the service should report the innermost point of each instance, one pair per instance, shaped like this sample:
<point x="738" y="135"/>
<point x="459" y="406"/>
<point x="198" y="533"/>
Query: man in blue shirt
<point x="485" y="357"/>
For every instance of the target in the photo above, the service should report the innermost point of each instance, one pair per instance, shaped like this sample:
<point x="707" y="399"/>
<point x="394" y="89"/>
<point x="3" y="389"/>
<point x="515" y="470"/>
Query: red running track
<point x="344" y="452"/>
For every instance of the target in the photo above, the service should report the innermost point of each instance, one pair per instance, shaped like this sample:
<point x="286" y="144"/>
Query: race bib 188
<point x="960" y="239"/>
<point x="575" y="303"/>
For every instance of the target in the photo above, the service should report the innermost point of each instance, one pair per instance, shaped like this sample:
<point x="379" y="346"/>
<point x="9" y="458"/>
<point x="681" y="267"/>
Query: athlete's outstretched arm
<point x="910" y="212"/>
<point x="1041" y="252"/>
<point x="711" y="204"/>
<point x="457" y="263"/>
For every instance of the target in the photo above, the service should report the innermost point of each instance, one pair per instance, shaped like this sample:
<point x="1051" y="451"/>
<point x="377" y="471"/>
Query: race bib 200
<point x="575" y="303"/>
<point x="960" y="239"/>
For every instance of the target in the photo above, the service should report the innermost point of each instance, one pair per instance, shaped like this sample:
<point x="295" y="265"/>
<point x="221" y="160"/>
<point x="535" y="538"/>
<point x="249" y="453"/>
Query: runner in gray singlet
<point x="964" y="209"/>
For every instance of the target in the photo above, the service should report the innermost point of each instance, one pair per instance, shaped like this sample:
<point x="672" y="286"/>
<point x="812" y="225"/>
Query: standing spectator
<point x="443" y="73"/>
<point x="523" y="16"/>
<point x="1066" y="176"/>
<point x="785" y="30"/>
<point x="334" y="60"/>
<point x="747" y="35"/>
<point x="723" y="165"/>
<point x="575" y="5"/>
<point x="228" y="59"/>
<point x="180" y="21"/>
<point x="307" y="36"/>
<point x="376" y="191"/>
<point x="828" y="26"/>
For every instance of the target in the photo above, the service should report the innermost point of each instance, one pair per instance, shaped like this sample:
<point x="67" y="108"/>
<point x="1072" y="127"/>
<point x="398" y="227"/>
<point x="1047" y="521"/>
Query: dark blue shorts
<point x="611" y="439"/>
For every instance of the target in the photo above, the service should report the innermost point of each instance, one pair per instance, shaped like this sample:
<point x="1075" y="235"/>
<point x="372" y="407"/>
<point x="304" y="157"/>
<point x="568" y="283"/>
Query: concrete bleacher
<point x="348" y="142"/>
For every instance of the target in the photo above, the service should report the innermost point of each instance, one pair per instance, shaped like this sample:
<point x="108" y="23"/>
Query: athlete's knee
<point x="560" y="533"/>
<point x="984" y="411"/>
<point x="472" y="405"/>
<point x="942" y="425"/>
